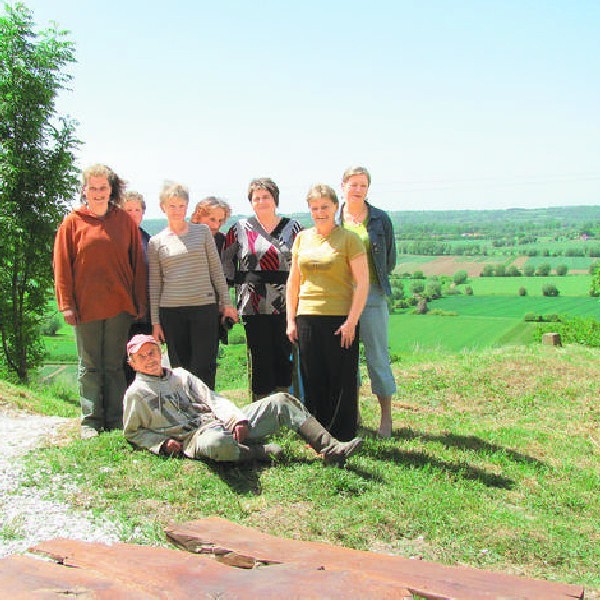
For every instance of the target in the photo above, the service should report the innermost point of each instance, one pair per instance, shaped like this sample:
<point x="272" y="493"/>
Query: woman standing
<point x="375" y="229"/>
<point x="187" y="288"/>
<point x="100" y="284"/>
<point x="327" y="290"/>
<point x="213" y="212"/>
<point x="256" y="259"/>
<point x="134" y="205"/>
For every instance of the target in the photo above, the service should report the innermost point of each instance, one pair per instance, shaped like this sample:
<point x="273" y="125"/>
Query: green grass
<point x="494" y="463"/>
<point x="518" y="306"/>
<point x="569" y="285"/>
<point x="450" y="333"/>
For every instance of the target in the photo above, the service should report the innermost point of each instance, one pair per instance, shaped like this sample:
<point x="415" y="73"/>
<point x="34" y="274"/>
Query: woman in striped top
<point x="187" y="288"/>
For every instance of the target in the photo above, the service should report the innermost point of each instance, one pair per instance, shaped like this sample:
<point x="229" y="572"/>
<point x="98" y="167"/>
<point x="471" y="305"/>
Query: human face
<point x="147" y="360"/>
<point x="322" y="212"/>
<point x="134" y="209"/>
<point x="263" y="203"/>
<point x="214" y="219"/>
<point x="355" y="188"/>
<point x="175" y="208"/>
<point x="97" y="194"/>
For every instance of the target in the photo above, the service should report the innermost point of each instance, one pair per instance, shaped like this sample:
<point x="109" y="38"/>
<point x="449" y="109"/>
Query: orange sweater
<point x="99" y="267"/>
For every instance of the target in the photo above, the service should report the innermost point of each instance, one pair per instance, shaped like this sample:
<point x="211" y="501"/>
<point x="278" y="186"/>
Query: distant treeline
<point x="481" y="232"/>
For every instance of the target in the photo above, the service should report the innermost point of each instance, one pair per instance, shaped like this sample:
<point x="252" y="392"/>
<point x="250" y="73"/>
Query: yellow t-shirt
<point x="361" y="231"/>
<point x="326" y="282"/>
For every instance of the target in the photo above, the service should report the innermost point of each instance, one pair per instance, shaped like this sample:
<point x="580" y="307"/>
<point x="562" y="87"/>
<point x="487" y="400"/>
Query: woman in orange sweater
<point x="100" y="285"/>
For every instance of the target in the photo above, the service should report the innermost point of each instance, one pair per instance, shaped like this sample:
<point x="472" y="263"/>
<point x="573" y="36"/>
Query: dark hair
<point x="264" y="183"/>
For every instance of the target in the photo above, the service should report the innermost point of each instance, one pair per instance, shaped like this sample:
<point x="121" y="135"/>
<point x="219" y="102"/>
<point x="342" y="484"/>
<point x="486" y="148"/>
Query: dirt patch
<point x="442" y="265"/>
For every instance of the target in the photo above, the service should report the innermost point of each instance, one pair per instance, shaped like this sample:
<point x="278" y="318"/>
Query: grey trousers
<point x="265" y="418"/>
<point x="101" y="351"/>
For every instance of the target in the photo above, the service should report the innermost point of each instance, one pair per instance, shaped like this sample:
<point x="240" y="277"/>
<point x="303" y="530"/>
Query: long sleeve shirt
<point x="99" y="266"/>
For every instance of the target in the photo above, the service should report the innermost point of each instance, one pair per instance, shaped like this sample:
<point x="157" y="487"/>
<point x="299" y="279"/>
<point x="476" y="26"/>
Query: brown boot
<point x="333" y="451"/>
<point x="262" y="452"/>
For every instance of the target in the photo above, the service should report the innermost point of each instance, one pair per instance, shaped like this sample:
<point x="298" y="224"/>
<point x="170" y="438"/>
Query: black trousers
<point x="271" y="352"/>
<point x="329" y="374"/>
<point x="191" y="333"/>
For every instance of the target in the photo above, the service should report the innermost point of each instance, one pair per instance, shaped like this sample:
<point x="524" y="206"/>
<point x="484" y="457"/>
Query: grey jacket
<point x="173" y="406"/>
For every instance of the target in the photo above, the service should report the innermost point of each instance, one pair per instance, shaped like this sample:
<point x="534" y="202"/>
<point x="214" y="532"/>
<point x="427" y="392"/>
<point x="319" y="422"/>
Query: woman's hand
<point x="292" y="331"/>
<point x="346" y="332"/>
<point x="158" y="334"/>
<point x="70" y="317"/>
<point x="231" y="312"/>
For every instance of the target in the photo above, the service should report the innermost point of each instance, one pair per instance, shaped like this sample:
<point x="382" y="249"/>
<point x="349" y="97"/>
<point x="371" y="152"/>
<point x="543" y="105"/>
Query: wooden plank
<point x="427" y="579"/>
<point x="163" y="572"/>
<point x="23" y="578"/>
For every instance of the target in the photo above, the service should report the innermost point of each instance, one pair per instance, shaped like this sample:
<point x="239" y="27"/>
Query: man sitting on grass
<point x="172" y="412"/>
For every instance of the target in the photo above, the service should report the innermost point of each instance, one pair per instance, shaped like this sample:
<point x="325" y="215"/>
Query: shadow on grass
<point x="419" y="459"/>
<point x="466" y="442"/>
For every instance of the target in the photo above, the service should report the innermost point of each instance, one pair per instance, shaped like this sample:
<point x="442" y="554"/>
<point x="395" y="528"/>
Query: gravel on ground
<point x="28" y="514"/>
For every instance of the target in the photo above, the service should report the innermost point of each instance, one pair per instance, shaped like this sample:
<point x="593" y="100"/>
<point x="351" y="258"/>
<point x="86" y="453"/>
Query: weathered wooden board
<point x="430" y="580"/>
<point x="161" y="572"/>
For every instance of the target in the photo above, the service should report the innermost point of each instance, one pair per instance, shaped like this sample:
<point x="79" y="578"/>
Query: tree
<point x="562" y="270"/>
<point x="543" y="270"/>
<point x="37" y="178"/>
<point x="460" y="276"/>
<point x="528" y="270"/>
<point x="549" y="289"/>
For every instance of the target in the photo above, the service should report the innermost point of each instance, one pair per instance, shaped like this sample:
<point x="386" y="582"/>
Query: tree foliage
<point x="37" y="178"/>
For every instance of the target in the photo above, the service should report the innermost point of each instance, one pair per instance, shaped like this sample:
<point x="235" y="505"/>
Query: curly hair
<point x="117" y="185"/>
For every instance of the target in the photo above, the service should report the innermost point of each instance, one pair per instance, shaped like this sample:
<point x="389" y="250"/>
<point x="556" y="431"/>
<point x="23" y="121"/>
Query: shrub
<point x="549" y="289"/>
<point x="51" y="324"/>
<point x="573" y="330"/>
<point x="528" y="270"/>
<point x="543" y="270"/>
<point x="460" y="277"/>
<point x="418" y="275"/>
<point x="522" y="291"/>
<point x="562" y="270"/>
<point x="468" y="290"/>
<point x="417" y="287"/>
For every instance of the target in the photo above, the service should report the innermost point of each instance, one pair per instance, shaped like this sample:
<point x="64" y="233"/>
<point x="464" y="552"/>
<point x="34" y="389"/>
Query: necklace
<point x="358" y="218"/>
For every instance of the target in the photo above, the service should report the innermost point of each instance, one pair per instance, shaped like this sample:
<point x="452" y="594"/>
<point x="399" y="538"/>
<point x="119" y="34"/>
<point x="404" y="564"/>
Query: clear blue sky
<point x="451" y="104"/>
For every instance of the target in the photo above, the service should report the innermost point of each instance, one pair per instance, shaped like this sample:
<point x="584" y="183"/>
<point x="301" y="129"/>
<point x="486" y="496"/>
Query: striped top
<point x="185" y="270"/>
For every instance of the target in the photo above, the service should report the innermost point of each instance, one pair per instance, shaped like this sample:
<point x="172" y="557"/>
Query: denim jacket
<point x="383" y="244"/>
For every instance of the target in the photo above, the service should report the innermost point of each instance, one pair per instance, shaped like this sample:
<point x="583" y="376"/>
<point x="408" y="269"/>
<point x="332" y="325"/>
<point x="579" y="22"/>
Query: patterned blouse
<point x="258" y="264"/>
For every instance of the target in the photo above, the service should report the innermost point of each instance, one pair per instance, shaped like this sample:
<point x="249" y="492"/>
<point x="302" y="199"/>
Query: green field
<point x="569" y="285"/>
<point x="518" y="306"/>
<point x="455" y="334"/>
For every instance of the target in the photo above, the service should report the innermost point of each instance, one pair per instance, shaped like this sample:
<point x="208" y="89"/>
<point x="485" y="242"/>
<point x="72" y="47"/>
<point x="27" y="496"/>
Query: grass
<point x="494" y="463"/>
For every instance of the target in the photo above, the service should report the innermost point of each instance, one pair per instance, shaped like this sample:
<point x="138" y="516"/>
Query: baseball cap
<point x="137" y="341"/>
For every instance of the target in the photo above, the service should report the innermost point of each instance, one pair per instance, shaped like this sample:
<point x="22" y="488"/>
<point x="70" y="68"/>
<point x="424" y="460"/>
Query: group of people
<point x="321" y="288"/>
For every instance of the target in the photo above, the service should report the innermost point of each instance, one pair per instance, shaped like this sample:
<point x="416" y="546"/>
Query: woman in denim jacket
<point x="374" y="227"/>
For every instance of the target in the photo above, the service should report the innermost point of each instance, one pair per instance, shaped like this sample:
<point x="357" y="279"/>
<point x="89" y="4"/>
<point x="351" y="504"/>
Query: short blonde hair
<point x="210" y="203"/>
<point x="350" y="171"/>
<point x="320" y="190"/>
<point x="134" y="197"/>
<point x="170" y="189"/>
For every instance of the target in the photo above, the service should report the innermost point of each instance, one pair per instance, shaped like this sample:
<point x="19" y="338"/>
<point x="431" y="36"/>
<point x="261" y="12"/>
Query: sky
<point x="451" y="104"/>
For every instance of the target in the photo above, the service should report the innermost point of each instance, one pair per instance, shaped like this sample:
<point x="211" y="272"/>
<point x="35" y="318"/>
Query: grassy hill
<point x="494" y="463"/>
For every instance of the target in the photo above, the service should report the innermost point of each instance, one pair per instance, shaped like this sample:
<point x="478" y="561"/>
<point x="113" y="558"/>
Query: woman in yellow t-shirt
<point x="327" y="290"/>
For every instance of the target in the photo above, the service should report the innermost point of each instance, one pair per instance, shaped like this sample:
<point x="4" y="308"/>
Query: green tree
<point x="562" y="270"/>
<point x="37" y="178"/>
<point x="460" y="276"/>
<point x="543" y="270"/>
<point x="549" y="289"/>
